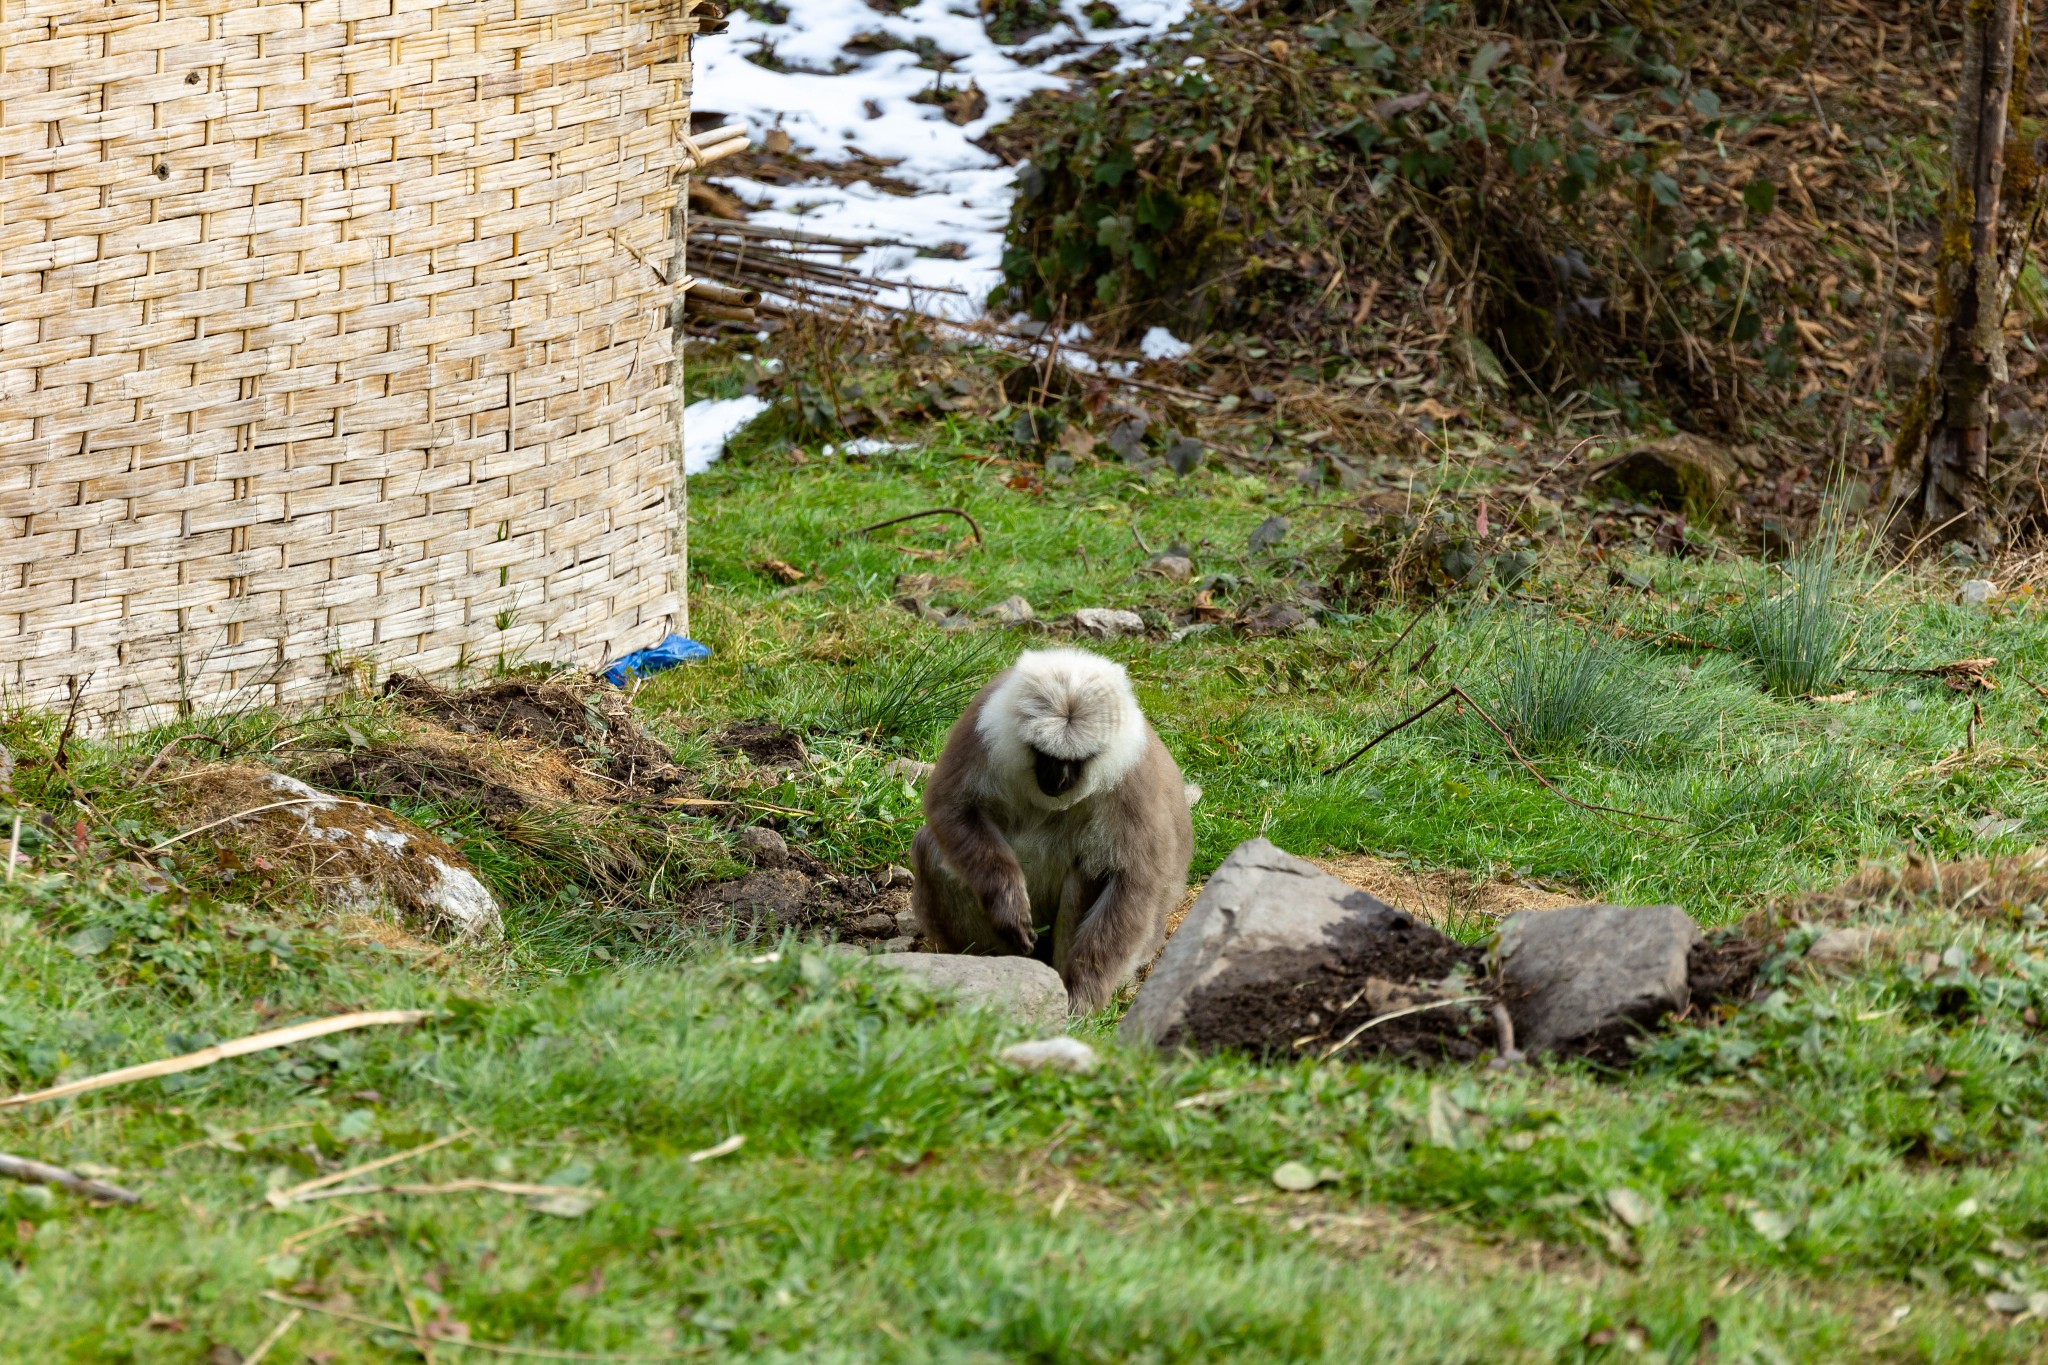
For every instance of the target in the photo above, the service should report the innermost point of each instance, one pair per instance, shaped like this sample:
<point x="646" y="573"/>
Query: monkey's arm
<point x="1116" y="931"/>
<point x="979" y="855"/>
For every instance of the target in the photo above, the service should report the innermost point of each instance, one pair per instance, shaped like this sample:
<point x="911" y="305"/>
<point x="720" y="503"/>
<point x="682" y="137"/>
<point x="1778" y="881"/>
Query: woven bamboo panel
<point x="332" y="335"/>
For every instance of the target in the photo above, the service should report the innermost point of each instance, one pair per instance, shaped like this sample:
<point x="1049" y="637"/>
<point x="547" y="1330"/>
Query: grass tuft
<point x="1563" y="692"/>
<point x="1803" y="636"/>
<point x="913" y="694"/>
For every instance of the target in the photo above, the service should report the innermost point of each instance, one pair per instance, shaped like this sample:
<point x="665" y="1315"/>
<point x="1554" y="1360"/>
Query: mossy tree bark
<point x="1946" y="429"/>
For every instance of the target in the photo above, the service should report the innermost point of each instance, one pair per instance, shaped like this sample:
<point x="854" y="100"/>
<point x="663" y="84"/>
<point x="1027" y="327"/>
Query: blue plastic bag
<point x="676" y="649"/>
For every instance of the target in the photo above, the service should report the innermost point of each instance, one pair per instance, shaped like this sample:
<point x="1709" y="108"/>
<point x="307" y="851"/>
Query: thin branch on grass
<point x="219" y="1052"/>
<point x="517" y="1188"/>
<point x="1373" y="662"/>
<point x="42" y="1173"/>
<point x="1348" y="1039"/>
<point x="934" y="512"/>
<point x="285" y="1324"/>
<point x="60" y="760"/>
<point x="279" y="1199"/>
<point x="257" y="810"/>
<point x="165" y="752"/>
<point x="505" y="1348"/>
<point x="1462" y="695"/>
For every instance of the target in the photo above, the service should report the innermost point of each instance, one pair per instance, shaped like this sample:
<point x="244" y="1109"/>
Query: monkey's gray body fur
<point x="1054" y="811"/>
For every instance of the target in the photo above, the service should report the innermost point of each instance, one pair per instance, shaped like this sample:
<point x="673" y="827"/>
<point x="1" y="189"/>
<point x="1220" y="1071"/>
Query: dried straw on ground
<point x="334" y="334"/>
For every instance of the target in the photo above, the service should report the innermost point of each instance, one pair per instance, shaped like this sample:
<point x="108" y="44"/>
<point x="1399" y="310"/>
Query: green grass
<point x="1842" y="1149"/>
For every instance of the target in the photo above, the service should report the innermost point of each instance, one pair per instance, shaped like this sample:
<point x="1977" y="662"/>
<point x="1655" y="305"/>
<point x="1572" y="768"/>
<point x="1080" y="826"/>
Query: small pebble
<point x="880" y="922"/>
<point x="1977" y="591"/>
<point x="1056" y="1054"/>
<point x="909" y="769"/>
<point x="1107" y="622"/>
<point x="895" y="874"/>
<point x="763" y="845"/>
<point x="1011" y="611"/>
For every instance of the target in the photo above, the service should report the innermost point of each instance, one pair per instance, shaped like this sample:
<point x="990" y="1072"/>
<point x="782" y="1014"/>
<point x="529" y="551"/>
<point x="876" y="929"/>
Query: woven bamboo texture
<point x="333" y="336"/>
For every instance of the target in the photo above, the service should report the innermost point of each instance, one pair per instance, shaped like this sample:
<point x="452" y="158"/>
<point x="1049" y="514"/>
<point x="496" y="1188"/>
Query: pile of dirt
<point x="1394" y="978"/>
<point x="596" y="724"/>
<point x="800" y="893"/>
<point x="765" y="744"/>
<point x="2011" y="889"/>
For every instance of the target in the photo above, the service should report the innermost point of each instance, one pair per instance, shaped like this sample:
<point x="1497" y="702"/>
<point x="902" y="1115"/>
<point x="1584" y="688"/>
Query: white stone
<point x="1052" y="1054"/>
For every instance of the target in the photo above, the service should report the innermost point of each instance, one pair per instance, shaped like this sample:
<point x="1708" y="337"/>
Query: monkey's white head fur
<point x="1069" y="707"/>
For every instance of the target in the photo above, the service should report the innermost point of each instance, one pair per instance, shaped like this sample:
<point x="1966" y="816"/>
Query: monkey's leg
<point x="1121" y="927"/>
<point x="1077" y="894"/>
<point x="948" y="912"/>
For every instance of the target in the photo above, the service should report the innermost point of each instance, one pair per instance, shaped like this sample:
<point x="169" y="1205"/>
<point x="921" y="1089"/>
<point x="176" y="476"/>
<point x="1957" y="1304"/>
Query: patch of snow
<point x="464" y="901"/>
<point x="868" y="445"/>
<point x="291" y="786"/>
<point x="1160" y="344"/>
<point x="709" y="423"/>
<point x="836" y="105"/>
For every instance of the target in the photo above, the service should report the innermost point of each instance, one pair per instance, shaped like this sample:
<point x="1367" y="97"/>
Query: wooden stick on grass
<point x="471" y="1343"/>
<point x="42" y="1173"/>
<point x="1462" y="695"/>
<point x="973" y="525"/>
<point x="278" y="1199"/>
<point x="219" y="1052"/>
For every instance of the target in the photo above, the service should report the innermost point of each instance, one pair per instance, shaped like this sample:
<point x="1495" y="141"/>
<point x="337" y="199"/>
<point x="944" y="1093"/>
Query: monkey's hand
<point x="1009" y="912"/>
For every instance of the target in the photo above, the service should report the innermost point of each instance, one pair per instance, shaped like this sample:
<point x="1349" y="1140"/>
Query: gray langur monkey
<point x="1055" y="820"/>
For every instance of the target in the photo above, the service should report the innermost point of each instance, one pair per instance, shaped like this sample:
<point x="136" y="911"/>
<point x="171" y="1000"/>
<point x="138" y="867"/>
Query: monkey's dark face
<point x="1056" y="776"/>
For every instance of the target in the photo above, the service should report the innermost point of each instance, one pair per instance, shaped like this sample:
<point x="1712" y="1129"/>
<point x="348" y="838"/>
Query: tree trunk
<point x="1947" y="425"/>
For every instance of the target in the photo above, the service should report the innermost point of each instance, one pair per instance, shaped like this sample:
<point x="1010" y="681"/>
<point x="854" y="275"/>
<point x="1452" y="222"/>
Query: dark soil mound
<point x="598" y="723"/>
<point x="765" y="743"/>
<point x="1722" y="968"/>
<point x="1376" y="977"/>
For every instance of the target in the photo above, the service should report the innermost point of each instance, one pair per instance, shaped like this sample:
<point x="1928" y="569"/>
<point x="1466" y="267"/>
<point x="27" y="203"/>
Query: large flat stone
<point x="1277" y="950"/>
<point x="1585" y="978"/>
<point x="1022" y="987"/>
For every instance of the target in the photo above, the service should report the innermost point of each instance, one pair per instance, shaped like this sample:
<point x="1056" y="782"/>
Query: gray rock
<point x="895" y="874"/>
<point x="1265" y="915"/>
<point x="1021" y="987"/>
<point x="1586" y="977"/>
<point x="1051" y="1054"/>
<point x="1107" y="622"/>
<point x="6" y="767"/>
<point x="906" y="921"/>
<point x="763" y="846"/>
<point x="909" y="769"/>
<point x="1011" y="611"/>
<point x="899" y="944"/>
<point x="880" y="922"/>
<point x="1976" y="592"/>
<point x="1177" y="567"/>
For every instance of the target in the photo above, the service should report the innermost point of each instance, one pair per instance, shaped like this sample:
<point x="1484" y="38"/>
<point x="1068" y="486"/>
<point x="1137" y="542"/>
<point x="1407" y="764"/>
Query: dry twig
<point x="1462" y="695"/>
<point x="934" y="512"/>
<point x="42" y="1173"/>
<point x="219" y="1052"/>
<point x="279" y="1199"/>
<point x="470" y="1343"/>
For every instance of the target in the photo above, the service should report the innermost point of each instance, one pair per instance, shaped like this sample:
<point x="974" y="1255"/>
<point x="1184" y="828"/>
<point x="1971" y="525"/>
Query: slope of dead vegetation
<point x="1722" y="210"/>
